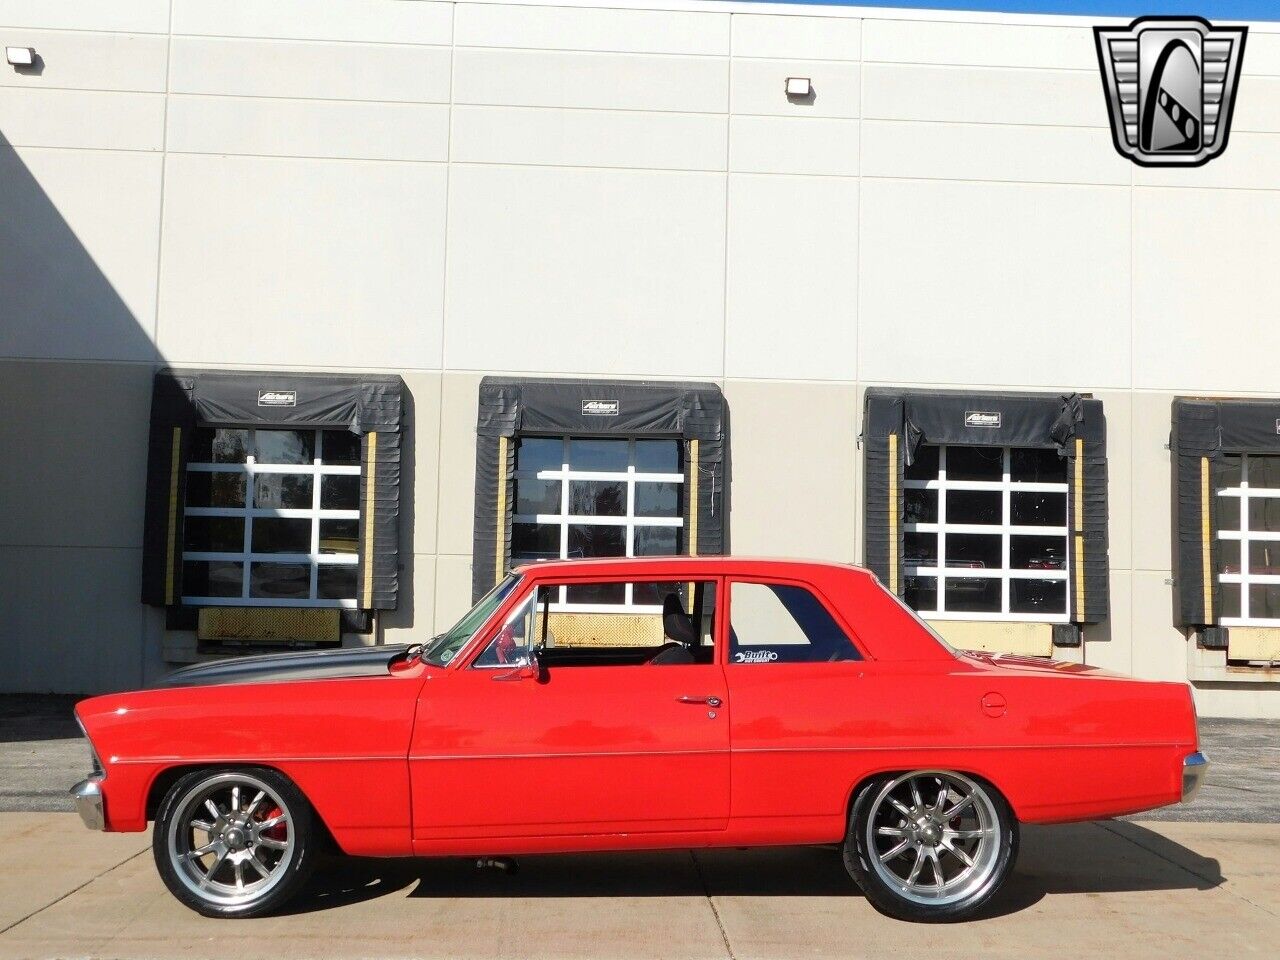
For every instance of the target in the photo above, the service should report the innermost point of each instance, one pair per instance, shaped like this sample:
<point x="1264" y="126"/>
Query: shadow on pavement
<point x="1072" y="859"/>
<point x="25" y="719"/>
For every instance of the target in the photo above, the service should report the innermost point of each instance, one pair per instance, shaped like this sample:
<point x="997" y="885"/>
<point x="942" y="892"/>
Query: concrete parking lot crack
<point x="715" y="911"/>
<point x="75" y="889"/>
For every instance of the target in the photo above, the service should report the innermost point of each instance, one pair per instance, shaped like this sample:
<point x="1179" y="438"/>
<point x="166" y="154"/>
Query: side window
<point x="667" y="623"/>
<point x="779" y="623"/>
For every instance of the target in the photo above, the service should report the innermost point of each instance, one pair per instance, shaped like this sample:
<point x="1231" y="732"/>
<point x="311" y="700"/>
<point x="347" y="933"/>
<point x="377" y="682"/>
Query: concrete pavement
<point x="1113" y="889"/>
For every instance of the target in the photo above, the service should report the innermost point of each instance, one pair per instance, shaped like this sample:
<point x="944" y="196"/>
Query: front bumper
<point x="88" y="797"/>
<point x="1194" y="767"/>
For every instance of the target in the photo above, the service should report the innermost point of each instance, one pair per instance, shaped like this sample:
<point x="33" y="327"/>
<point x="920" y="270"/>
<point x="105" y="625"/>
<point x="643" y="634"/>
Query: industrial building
<point x="317" y="315"/>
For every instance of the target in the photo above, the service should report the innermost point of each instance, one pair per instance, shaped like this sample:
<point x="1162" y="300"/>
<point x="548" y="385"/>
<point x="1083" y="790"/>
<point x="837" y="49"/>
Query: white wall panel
<point x="573" y="270"/>
<point x="960" y="151"/>
<point x="979" y="44"/>
<point x="78" y="236"/>
<point x="81" y="118"/>
<point x="772" y="475"/>
<point x="1206" y="289"/>
<point x="531" y="78"/>
<point x="758" y="86"/>
<point x="324" y="71"/>
<point x="1251" y="161"/>
<point x="367" y="21"/>
<point x="309" y="128"/>
<point x="1262" y="54"/>
<point x="983" y="95"/>
<point x="1001" y="284"/>
<point x="603" y="138"/>
<point x="796" y="38"/>
<point x="587" y="28"/>
<point x="792" y="306"/>
<point x="89" y="61"/>
<point x="302" y="262"/>
<point x="127" y="16"/>
<point x="793" y="145"/>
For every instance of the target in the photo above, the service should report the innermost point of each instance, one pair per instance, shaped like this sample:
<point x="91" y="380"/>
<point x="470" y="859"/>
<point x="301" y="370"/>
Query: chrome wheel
<point x="231" y="839"/>
<point x="934" y="837"/>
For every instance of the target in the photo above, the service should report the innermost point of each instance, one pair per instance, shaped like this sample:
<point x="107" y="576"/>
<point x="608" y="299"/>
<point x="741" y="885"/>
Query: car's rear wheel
<point x="234" y="843"/>
<point x="930" y="845"/>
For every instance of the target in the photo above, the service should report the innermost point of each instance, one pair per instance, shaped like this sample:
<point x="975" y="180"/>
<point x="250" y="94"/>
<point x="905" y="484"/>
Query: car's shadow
<point x="1078" y="858"/>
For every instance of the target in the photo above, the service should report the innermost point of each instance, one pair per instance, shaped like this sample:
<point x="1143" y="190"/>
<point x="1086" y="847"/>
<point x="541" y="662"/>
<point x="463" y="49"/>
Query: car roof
<point x="708" y="566"/>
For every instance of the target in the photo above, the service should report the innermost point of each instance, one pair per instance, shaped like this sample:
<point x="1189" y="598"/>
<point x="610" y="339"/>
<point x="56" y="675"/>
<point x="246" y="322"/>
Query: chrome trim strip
<point x="88" y="797"/>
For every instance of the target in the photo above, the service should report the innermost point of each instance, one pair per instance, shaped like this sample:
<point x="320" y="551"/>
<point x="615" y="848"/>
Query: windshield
<point x="446" y="646"/>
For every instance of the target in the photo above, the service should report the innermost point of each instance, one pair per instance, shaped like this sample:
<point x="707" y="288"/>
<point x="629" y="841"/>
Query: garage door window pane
<point x="1037" y="596"/>
<point x="214" y="534"/>
<point x="259" y="496"/>
<point x="598" y="497"/>
<point x="291" y="581"/>
<point x="973" y="595"/>
<point x="974" y="463"/>
<point x="285" y="446"/>
<point x="978" y="544"/>
<point x="1248" y="514"/>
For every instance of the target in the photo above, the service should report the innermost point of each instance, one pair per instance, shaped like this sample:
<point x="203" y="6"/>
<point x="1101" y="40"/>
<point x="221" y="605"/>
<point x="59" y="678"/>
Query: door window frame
<point x="864" y="656"/>
<point x="719" y="632"/>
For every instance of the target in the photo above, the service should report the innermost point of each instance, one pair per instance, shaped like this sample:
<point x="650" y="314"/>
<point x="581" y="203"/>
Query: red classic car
<point x="636" y="703"/>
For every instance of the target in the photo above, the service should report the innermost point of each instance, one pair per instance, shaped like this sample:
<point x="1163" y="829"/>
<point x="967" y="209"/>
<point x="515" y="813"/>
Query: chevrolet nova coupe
<point x="636" y="704"/>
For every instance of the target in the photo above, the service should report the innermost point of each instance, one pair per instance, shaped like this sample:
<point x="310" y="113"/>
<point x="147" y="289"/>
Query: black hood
<point x="295" y="665"/>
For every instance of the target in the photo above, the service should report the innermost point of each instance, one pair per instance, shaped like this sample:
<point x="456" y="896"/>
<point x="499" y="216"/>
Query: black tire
<point x="263" y="817"/>
<point x="907" y="812"/>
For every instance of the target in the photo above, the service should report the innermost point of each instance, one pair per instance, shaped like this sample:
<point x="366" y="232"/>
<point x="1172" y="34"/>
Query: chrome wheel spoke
<point x="253" y="804"/>
<point x="940" y="804"/>
<point x="891" y="831"/>
<point x="958" y="853"/>
<point x="915" y="867"/>
<point x="208" y="877"/>
<point x="235" y="798"/>
<point x="967" y="834"/>
<point x="915" y="795"/>
<point x="213" y="808"/>
<point x="895" y="851"/>
<point x="274" y="821"/>
<point x="263" y="870"/>
<point x="204" y="851"/>
<point x="960" y="805"/>
<point x="934" y="861"/>
<point x="272" y="844"/>
<point x="202" y="825"/>
<point x="238" y="867"/>
<point x="900" y="806"/>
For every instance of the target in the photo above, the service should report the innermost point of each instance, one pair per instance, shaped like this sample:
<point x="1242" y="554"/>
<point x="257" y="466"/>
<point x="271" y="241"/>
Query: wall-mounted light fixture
<point x="20" y="56"/>
<point x="799" y="87"/>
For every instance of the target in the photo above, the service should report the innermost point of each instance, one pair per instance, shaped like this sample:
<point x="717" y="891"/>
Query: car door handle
<point x="709" y="701"/>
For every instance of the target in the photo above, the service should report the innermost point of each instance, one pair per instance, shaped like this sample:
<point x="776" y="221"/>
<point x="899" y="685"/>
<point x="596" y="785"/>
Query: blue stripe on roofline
<point x="1212" y="10"/>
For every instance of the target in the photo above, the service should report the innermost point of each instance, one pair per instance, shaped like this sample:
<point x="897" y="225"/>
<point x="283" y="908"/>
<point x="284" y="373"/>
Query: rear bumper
<point x="1194" y="767"/>
<point x="88" y="797"/>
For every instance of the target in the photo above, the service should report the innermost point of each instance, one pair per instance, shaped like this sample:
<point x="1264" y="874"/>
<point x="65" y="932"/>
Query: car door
<point x="796" y="680"/>
<point x="578" y="750"/>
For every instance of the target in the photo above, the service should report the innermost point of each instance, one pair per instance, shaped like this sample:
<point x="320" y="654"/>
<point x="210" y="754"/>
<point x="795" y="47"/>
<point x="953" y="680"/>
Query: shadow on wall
<point x="56" y="300"/>
<point x="70" y="517"/>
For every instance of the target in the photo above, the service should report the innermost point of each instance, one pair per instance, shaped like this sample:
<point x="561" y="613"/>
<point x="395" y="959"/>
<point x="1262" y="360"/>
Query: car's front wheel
<point x="930" y="845"/>
<point x="234" y="843"/>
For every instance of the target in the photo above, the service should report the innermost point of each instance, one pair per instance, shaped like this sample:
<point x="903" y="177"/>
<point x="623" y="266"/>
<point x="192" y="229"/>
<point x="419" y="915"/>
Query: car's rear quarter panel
<point x="343" y="742"/>
<point x="1066" y="747"/>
